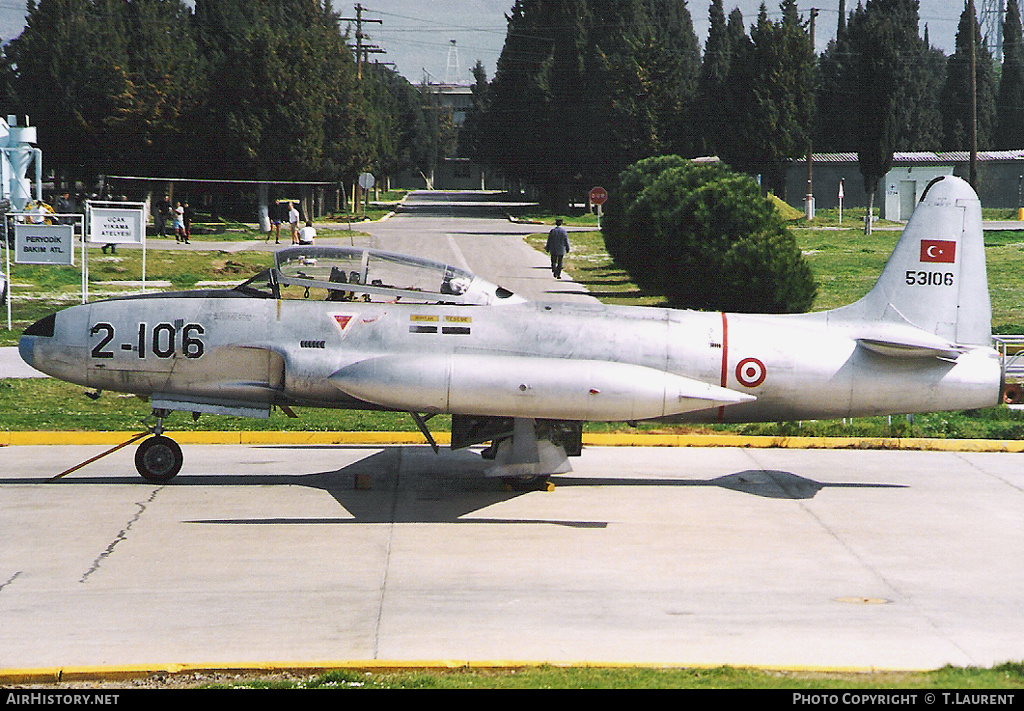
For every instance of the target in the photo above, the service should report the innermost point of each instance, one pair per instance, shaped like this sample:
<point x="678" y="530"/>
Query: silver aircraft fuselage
<point x="360" y="329"/>
<point x="551" y="361"/>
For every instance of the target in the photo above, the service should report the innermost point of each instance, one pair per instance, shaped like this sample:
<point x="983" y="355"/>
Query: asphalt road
<point x="272" y="554"/>
<point x="467" y="231"/>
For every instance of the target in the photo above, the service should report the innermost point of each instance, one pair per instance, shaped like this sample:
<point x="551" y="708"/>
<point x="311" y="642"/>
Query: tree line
<point x="269" y="90"/>
<point x="583" y="89"/>
<point x="232" y="89"/>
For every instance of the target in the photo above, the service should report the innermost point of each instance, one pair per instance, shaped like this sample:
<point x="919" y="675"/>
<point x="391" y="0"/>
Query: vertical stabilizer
<point x="936" y="279"/>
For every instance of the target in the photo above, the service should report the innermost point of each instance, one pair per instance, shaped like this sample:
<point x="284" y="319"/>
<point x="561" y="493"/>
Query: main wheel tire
<point x="158" y="459"/>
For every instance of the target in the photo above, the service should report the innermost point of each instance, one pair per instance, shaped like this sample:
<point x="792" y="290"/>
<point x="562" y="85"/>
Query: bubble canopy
<point x="352" y="273"/>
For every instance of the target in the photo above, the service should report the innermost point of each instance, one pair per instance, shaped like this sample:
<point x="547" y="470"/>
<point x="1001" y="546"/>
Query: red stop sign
<point x="598" y="196"/>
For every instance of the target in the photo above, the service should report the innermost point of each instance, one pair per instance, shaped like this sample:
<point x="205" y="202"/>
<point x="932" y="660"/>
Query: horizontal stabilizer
<point x="922" y="348"/>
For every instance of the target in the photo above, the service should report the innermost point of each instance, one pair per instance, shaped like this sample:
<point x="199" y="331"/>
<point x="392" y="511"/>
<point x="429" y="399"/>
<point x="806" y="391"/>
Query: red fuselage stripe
<point x="725" y="359"/>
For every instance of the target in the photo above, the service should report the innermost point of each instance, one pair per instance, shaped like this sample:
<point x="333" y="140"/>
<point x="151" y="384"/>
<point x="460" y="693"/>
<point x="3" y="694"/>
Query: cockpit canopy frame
<point x="353" y="273"/>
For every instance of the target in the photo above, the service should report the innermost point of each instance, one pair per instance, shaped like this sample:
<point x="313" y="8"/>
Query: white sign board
<point x="44" y="244"/>
<point x="112" y="225"/>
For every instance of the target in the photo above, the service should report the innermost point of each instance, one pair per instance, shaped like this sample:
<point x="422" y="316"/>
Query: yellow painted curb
<point x="767" y="442"/>
<point x="269" y="437"/>
<point x="593" y="440"/>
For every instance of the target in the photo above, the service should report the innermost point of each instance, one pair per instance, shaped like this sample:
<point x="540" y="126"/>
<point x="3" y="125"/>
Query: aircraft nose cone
<point x="26" y="349"/>
<point x="43" y="328"/>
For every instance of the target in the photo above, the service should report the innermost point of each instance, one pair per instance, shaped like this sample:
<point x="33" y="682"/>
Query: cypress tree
<point x="513" y="120"/>
<point x="771" y="84"/>
<point x="955" y="99"/>
<point x="714" y="71"/>
<point x="879" y="34"/>
<point x="1009" y="133"/>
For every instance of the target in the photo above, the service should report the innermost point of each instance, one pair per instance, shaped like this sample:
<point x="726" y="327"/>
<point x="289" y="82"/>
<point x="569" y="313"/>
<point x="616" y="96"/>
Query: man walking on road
<point x="557" y="246"/>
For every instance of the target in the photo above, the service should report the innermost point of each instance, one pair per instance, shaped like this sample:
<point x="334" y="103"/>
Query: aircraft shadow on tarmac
<point x="445" y="489"/>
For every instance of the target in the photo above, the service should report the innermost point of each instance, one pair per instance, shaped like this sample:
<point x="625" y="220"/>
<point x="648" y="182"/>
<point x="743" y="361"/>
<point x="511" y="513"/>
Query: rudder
<point x="936" y="279"/>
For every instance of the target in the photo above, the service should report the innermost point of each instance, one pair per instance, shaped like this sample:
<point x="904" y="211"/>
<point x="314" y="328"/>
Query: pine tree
<point x="287" y="105"/>
<point x="706" y="238"/>
<point x="69" y="72"/>
<point x="157" y="110"/>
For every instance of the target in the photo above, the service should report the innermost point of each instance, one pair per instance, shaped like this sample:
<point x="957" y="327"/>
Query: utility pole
<point x="974" y="100"/>
<point x="809" y="199"/>
<point x="362" y="50"/>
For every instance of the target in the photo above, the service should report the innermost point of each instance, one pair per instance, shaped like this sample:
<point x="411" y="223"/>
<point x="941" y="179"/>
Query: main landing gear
<point x="158" y="459"/>
<point x="524" y="452"/>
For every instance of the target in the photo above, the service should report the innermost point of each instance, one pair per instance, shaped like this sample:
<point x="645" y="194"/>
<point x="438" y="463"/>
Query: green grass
<point x="45" y="404"/>
<point x="1004" y="676"/>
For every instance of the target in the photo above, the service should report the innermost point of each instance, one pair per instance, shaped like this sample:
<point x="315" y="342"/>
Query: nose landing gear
<point x="158" y="459"/>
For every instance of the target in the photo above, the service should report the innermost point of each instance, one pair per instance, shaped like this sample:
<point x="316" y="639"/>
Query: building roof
<point x="922" y="157"/>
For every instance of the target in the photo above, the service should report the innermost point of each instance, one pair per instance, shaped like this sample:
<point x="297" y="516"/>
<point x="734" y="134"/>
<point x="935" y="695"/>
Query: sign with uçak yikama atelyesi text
<point x="44" y="244"/>
<point x="110" y="225"/>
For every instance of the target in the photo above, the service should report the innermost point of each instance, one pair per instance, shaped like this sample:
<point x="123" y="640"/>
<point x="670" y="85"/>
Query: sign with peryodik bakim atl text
<point x="44" y="244"/>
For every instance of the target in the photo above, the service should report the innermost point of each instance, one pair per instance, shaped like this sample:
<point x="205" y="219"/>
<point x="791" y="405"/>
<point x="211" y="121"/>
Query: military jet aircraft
<point x="363" y="329"/>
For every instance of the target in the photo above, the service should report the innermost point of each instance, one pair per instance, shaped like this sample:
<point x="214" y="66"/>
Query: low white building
<point x="1000" y="179"/>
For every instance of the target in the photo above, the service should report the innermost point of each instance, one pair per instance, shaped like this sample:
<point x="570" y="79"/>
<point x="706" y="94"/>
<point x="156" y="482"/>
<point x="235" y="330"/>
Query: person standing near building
<point x="186" y="221"/>
<point x="557" y="246"/>
<point x="163" y="214"/>
<point x="179" y="223"/>
<point x="293" y="222"/>
<point x="275" y="222"/>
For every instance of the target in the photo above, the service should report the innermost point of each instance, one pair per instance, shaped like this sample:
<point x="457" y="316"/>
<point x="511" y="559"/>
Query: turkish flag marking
<point x="938" y="250"/>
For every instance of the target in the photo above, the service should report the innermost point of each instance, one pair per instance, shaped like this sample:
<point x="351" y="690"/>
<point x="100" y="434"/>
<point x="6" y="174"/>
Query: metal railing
<point x="1011" y="353"/>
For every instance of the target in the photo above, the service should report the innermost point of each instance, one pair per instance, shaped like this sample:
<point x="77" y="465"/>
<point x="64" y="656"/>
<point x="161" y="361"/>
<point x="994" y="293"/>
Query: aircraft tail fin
<point x="935" y="281"/>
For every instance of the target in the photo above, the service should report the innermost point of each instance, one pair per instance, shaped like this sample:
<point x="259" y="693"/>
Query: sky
<point x="417" y="34"/>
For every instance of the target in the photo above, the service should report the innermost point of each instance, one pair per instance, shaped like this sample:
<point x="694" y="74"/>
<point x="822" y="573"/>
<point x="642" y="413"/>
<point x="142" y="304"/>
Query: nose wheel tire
<point x="158" y="459"/>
